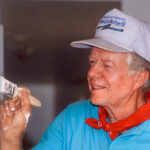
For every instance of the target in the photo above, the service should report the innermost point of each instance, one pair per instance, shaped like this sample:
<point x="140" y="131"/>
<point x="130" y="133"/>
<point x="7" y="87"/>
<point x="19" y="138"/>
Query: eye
<point x="92" y="62"/>
<point x="107" y="66"/>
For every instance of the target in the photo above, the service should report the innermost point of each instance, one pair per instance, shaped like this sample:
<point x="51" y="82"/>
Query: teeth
<point x="95" y="87"/>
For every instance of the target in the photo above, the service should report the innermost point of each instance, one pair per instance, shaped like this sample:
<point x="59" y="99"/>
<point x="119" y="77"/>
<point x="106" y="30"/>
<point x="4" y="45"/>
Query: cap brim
<point x="100" y="43"/>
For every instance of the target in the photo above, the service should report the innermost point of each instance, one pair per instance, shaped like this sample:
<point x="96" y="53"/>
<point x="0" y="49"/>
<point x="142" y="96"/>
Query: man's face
<point x="108" y="78"/>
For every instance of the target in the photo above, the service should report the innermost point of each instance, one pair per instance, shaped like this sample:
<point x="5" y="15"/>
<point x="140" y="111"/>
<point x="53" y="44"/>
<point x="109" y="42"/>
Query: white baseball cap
<point x="119" y="32"/>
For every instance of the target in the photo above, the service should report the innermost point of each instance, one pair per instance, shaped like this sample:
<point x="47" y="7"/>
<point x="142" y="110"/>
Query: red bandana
<point x="141" y="115"/>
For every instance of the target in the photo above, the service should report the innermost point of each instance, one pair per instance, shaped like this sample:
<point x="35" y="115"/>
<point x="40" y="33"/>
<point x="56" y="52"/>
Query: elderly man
<point x="116" y="117"/>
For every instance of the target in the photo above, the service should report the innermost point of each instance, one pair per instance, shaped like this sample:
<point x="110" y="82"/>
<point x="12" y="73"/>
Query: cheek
<point x="118" y="80"/>
<point x="121" y="84"/>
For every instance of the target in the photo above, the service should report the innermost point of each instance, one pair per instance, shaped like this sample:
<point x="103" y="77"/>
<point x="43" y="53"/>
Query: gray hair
<point x="136" y="63"/>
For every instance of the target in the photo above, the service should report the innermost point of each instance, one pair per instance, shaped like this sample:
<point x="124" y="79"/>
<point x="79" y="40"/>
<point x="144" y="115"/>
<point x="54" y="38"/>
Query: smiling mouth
<point x="97" y="88"/>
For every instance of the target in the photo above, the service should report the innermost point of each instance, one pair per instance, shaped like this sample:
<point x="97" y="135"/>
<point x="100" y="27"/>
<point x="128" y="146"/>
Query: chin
<point x="96" y="101"/>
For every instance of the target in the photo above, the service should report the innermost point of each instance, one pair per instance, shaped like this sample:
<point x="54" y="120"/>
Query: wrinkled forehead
<point x="105" y="54"/>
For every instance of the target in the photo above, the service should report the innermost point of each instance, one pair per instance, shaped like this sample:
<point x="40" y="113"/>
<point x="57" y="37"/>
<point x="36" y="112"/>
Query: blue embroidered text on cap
<point x="108" y="26"/>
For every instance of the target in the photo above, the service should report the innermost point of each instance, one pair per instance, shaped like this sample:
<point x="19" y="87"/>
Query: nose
<point x="95" y="71"/>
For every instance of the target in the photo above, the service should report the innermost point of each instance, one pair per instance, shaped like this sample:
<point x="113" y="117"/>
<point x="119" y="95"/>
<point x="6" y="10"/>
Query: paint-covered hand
<point x="14" y="115"/>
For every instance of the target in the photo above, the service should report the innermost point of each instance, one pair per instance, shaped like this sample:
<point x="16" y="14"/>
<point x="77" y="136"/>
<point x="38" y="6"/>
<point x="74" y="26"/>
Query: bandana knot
<point x="114" y="129"/>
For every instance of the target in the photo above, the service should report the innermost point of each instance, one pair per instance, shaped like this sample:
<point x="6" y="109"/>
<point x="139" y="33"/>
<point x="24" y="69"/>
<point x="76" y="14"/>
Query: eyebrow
<point x="107" y="61"/>
<point x="89" y="57"/>
<point x="103" y="60"/>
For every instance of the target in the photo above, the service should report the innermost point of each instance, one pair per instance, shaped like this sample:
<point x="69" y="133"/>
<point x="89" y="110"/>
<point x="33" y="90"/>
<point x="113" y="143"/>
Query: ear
<point x="140" y="78"/>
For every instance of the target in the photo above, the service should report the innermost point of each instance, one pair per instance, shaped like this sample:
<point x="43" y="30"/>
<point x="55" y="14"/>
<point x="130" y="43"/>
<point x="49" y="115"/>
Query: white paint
<point x="12" y="109"/>
<point x="6" y="108"/>
<point x="5" y="128"/>
<point x="27" y="116"/>
<point x="137" y="8"/>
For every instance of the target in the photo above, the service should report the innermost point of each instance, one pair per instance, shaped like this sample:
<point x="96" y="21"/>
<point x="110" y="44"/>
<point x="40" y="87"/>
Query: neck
<point x="126" y="108"/>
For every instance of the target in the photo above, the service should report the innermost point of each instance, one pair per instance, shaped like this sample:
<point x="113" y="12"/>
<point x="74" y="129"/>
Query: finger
<point x="15" y="106"/>
<point x="26" y="103"/>
<point x="26" y="109"/>
<point x="12" y="106"/>
<point x="6" y="106"/>
<point x="14" y="99"/>
<point x="2" y="111"/>
<point x="9" y="106"/>
<point x="18" y="107"/>
<point x="18" y="102"/>
<point x="25" y="89"/>
<point x="5" y="121"/>
<point x="12" y="102"/>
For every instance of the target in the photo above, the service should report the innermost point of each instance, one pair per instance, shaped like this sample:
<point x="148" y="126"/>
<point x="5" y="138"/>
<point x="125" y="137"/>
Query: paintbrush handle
<point x="33" y="101"/>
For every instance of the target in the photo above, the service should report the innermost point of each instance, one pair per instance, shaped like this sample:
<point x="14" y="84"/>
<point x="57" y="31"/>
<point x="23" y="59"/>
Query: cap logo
<point x="109" y="27"/>
<point x="113" y="23"/>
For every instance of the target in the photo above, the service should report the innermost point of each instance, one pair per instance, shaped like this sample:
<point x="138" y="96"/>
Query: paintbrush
<point x="10" y="89"/>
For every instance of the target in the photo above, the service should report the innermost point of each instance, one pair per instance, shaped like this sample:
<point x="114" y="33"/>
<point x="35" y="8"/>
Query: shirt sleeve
<point x="52" y="139"/>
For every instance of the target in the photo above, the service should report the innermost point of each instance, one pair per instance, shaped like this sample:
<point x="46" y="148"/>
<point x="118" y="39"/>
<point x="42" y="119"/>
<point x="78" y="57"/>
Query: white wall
<point x="137" y="8"/>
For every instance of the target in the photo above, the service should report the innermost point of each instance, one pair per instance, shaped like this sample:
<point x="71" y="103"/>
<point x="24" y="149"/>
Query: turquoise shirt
<point x="69" y="132"/>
